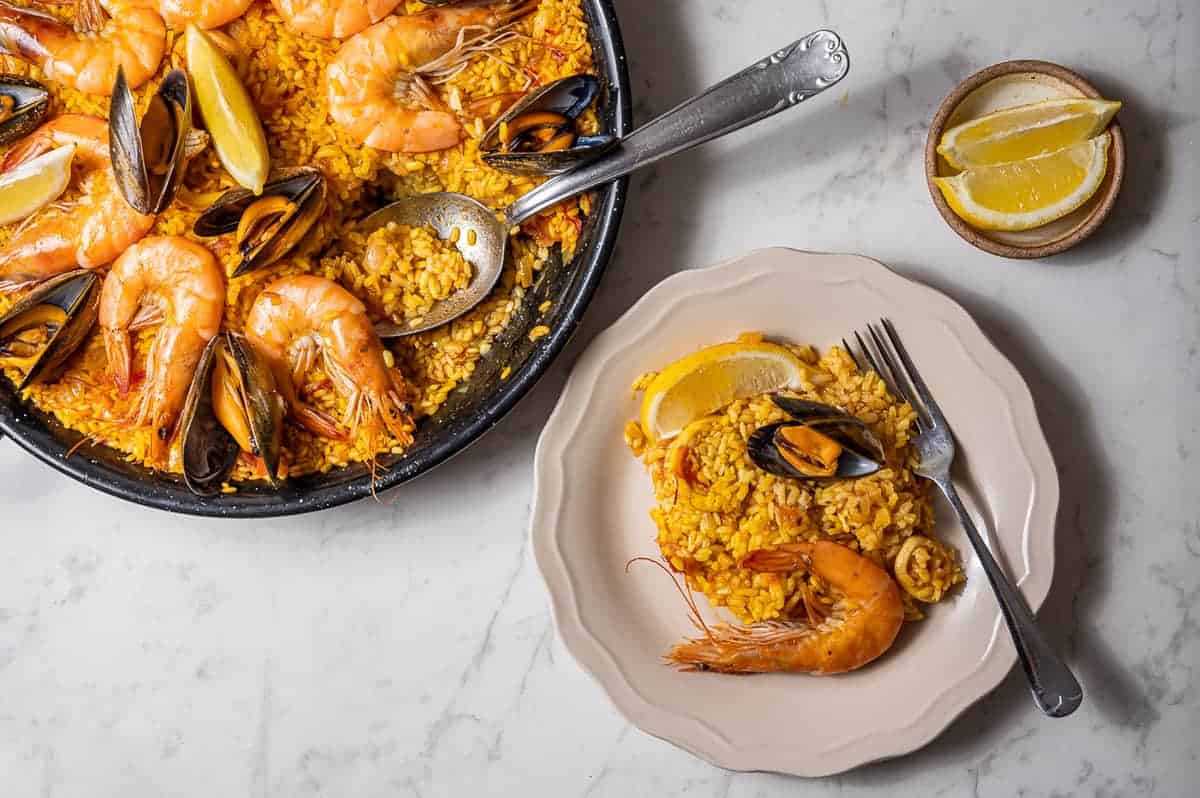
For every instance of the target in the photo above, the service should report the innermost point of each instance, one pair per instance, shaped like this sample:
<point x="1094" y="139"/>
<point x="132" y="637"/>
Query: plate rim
<point x="692" y="734"/>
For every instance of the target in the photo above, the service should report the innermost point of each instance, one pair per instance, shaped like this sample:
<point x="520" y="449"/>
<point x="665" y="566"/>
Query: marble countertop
<point x="146" y="654"/>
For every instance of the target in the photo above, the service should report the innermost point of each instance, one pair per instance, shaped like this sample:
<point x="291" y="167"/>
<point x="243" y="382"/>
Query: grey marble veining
<point x="143" y="654"/>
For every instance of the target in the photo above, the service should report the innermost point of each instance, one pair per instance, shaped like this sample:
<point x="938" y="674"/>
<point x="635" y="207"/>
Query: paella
<point x="182" y="277"/>
<point x="785" y="494"/>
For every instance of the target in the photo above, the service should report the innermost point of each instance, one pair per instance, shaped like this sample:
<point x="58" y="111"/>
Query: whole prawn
<point x="178" y="285"/>
<point x="333" y="19"/>
<point x="378" y="83"/>
<point x="206" y="14"/>
<point x="88" y="233"/>
<point x="108" y="34"/>
<point x="861" y="625"/>
<point x="294" y="320"/>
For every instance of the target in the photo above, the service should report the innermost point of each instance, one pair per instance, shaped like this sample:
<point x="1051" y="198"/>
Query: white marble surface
<point x="144" y="654"/>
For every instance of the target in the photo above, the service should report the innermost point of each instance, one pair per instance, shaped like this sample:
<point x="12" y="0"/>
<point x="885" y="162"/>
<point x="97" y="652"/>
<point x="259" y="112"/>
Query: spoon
<point x="784" y="78"/>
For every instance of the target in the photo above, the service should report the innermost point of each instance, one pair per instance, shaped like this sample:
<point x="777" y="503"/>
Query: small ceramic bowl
<point x="1015" y="83"/>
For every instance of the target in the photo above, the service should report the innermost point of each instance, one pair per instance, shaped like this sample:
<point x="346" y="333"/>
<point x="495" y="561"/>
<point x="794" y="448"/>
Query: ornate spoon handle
<point x="786" y="77"/>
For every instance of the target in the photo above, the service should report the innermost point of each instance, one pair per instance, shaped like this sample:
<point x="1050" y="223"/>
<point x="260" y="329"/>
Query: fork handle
<point x="1055" y="688"/>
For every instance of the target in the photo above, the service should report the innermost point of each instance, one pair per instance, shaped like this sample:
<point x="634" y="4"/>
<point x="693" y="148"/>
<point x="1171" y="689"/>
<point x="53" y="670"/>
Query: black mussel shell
<point x="304" y="186"/>
<point x="24" y="103"/>
<point x="852" y="463"/>
<point x="585" y="149"/>
<point x="148" y="158"/>
<point x="209" y="451"/>
<point x="803" y="409"/>
<point x="77" y="295"/>
<point x="264" y="403"/>
<point x="845" y="427"/>
<point x="569" y="97"/>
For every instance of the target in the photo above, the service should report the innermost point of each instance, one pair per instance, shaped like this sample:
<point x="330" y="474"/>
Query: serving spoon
<point x="786" y="77"/>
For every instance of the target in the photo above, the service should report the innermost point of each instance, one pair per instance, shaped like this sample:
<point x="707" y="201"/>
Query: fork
<point x="1055" y="689"/>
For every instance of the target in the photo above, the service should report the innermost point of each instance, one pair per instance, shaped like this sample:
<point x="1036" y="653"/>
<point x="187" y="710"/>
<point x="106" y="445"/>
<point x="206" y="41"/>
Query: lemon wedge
<point x="35" y="184"/>
<point x="1025" y="131"/>
<point x="228" y="112"/>
<point x="705" y="381"/>
<point x="1025" y="194"/>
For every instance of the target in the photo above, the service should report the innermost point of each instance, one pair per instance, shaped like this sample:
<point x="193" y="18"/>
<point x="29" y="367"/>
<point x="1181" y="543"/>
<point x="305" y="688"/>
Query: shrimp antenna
<point x="693" y="609"/>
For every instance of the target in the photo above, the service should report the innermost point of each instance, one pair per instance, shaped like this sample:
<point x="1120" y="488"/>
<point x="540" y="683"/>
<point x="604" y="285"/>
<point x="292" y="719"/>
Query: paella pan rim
<point x="105" y="470"/>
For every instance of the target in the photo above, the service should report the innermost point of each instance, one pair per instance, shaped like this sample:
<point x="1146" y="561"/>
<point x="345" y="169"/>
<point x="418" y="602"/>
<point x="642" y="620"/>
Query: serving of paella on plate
<point x="182" y="275"/>
<point x="785" y="494"/>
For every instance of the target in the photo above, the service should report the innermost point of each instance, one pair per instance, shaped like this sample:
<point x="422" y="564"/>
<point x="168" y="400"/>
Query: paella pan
<point x="293" y="246"/>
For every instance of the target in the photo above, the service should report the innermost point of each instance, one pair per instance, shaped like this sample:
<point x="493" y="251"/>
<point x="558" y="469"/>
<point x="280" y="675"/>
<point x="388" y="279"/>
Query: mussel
<point x="820" y="443"/>
<point x="41" y="331"/>
<point x="538" y="135"/>
<point x="268" y="226"/>
<point x="148" y="159"/>
<point x="232" y="406"/>
<point x="24" y="103"/>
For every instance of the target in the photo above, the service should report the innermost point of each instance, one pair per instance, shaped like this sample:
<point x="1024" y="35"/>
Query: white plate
<point x="591" y="499"/>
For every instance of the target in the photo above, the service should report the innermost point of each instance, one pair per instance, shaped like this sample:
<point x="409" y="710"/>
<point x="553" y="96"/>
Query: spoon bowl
<point x="782" y="79"/>
<point x="482" y="239"/>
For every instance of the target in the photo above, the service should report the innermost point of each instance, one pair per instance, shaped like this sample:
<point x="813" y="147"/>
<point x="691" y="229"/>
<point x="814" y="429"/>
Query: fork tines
<point x="882" y="350"/>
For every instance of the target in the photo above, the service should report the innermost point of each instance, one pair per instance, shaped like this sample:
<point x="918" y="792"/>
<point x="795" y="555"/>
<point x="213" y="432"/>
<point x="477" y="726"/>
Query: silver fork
<point x="1054" y="687"/>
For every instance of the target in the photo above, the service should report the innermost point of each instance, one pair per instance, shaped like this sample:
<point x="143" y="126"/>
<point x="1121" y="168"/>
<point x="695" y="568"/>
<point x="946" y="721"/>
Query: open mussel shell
<point x="46" y="326"/>
<point x="24" y="103"/>
<point x="554" y="162"/>
<point x="566" y="98"/>
<point x="209" y="451"/>
<point x="764" y="447"/>
<point x="845" y="427"/>
<point x="268" y="225"/>
<point x="861" y="451"/>
<point x="148" y="158"/>
<point x="231" y="405"/>
<point x="247" y="401"/>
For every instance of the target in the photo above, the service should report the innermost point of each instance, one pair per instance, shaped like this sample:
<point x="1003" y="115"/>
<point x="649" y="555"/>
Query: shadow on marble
<point x="1147" y="173"/>
<point x="1086" y="528"/>
<point x="883" y="122"/>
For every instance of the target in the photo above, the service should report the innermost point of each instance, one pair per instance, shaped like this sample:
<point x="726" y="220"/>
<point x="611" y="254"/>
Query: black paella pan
<point x="470" y="412"/>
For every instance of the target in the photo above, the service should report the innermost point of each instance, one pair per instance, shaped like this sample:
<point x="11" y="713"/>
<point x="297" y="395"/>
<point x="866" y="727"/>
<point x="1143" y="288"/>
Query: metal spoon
<point x="786" y="77"/>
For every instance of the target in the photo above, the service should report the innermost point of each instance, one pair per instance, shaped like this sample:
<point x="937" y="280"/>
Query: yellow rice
<point x="283" y="72"/>
<point x="717" y="506"/>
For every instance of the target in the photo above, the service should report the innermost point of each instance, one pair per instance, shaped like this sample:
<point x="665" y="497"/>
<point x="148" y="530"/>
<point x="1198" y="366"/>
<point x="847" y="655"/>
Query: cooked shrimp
<point x="176" y="284"/>
<point x="333" y="19"/>
<point x="294" y="320"/>
<point x="89" y="232"/>
<point x="206" y="14"/>
<point x="379" y="81"/>
<point x="108" y="34"/>
<point x="861" y="624"/>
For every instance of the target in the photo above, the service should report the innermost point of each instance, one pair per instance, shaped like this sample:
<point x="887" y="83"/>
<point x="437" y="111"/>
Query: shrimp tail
<point x="788" y="557"/>
<point x="26" y="149"/>
<point x="117" y="352"/>
<point x="23" y="31"/>
<point x="90" y="16"/>
<point x="10" y="283"/>
<point x="317" y="422"/>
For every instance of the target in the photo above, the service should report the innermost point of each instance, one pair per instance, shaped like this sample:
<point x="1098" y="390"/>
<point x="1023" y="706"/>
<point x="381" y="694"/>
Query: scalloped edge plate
<point x="591" y="499"/>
